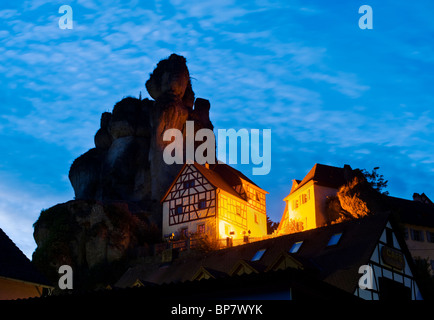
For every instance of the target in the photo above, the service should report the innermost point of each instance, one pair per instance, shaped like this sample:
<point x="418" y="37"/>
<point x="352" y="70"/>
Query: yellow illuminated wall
<point x="224" y="214"/>
<point x="232" y="216"/>
<point x="236" y="217"/>
<point x="301" y="208"/>
<point x="14" y="289"/>
<point x="307" y="206"/>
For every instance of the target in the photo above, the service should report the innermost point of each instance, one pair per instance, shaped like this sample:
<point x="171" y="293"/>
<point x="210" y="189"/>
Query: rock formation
<point x="126" y="169"/>
<point x="127" y="163"/>
<point x="355" y="199"/>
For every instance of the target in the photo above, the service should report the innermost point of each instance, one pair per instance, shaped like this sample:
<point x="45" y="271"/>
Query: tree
<point x="426" y="278"/>
<point x="271" y="225"/>
<point x="376" y="180"/>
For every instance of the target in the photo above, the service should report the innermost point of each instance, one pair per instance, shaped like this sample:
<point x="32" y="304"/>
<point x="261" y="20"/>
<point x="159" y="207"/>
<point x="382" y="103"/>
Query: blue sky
<point x="330" y="92"/>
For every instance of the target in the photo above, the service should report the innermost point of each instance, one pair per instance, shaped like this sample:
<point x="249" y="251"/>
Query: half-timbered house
<point x="214" y="200"/>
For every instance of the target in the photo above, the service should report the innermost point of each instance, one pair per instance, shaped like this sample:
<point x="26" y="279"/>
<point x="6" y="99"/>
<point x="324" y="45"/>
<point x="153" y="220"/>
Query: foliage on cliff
<point x="360" y="197"/>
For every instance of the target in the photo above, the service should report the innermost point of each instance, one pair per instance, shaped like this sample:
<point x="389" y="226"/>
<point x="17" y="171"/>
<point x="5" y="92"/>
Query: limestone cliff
<point x="124" y="170"/>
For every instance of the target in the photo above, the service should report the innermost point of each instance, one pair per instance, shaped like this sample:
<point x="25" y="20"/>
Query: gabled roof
<point x="231" y="175"/>
<point x="412" y="212"/>
<point x="324" y="175"/>
<point x="284" y="261"/>
<point x="15" y="265"/>
<point x="246" y="267"/>
<point x="216" y="180"/>
<point x="219" y="175"/>
<point x="208" y="272"/>
<point x="134" y="275"/>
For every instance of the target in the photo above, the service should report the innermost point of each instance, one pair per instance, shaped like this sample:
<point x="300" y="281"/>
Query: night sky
<point x="330" y="92"/>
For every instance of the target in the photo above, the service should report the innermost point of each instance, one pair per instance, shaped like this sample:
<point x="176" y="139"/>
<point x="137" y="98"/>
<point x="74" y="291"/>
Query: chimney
<point x="422" y="198"/>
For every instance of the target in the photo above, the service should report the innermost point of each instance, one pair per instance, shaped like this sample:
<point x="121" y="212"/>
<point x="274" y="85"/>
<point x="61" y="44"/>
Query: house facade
<point x="392" y="270"/>
<point x="215" y="201"/>
<point x="305" y="207"/>
<point x="417" y="219"/>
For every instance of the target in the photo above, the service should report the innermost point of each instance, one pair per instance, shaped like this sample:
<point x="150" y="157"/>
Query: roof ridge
<point x="11" y="241"/>
<point x="16" y="265"/>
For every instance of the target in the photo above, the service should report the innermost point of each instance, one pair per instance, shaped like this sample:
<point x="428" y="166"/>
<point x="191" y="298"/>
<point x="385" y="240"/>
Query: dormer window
<point x="334" y="240"/>
<point x="295" y="247"/>
<point x="258" y="255"/>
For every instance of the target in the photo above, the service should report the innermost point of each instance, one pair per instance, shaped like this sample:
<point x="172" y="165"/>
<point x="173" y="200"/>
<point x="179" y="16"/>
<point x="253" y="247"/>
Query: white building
<point x="214" y="200"/>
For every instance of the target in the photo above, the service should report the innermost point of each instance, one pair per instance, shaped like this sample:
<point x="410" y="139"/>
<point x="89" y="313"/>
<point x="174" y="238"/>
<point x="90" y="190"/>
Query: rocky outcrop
<point x="124" y="170"/>
<point x="127" y="161"/>
<point x="171" y="77"/>
<point x="87" y="235"/>
<point x="355" y="199"/>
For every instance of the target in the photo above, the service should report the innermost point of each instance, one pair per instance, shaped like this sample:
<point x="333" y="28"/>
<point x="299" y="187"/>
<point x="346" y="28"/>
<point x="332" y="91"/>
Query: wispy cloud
<point x="328" y="92"/>
<point x="19" y="209"/>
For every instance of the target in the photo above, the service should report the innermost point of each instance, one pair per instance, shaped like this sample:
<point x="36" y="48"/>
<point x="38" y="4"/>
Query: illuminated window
<point x="256" y="218"/>
<point x="238" y="211"/>
<point x="334" y="239"/>
<point x="295" y="247"/>
<point x="201" y="228"/>
<point x="258" y="255"/>
<point x="257" y="196"/>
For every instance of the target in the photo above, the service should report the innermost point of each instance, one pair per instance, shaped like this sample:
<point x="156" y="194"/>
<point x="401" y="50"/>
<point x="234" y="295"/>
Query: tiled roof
<point x="231" y="175"/>
<point x="412" y="212"/>
<point x="15" y="265"/>
<point x="325" y="175"/>
<point x="337" y="265"/>
<point x="216" y="179"/>
<point x="221" y="176"/>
